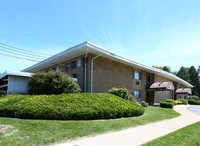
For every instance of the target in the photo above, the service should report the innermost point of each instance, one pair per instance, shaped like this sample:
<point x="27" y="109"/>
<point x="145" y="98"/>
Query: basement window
<point x="76" y="64"/>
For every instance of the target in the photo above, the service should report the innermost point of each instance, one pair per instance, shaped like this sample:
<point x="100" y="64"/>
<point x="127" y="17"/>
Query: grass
<point x="40" y="132"/>
<point x="187" y="136"/>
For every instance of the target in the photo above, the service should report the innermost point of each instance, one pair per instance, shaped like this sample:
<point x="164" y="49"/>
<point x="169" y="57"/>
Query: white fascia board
<point x="144" y="67"/>
<point x="15" y="73"/>
<point x="111" y="55"/>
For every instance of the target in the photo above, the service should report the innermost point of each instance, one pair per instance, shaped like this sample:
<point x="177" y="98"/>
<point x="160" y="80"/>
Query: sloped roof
<point x="162" y="86"/>
<point x="183" y="91"/>
<point x="89" y="47"/>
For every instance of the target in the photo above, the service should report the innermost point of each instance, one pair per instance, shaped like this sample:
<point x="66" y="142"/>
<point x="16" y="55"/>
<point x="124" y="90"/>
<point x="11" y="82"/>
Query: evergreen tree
<point x="183" y="74"/>
<point x="194" y="80"/>
<point x="167" y="69"/>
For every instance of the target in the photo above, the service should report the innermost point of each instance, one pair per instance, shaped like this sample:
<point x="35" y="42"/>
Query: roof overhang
<point x="89" y="47"/>
<point x="184" y="91"/>
<point x="15" y="73"/>
<point x="160" y="86"/>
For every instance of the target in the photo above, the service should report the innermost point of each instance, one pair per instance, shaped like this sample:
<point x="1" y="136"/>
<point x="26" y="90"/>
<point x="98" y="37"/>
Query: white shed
<point x="14" y="82"/>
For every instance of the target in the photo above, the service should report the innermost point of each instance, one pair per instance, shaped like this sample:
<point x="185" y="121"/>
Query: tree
<point x="165" y="68"/>
<point x="183" y="74"/>
<point x="52" y="83"/>
<point x="194" y="80"/>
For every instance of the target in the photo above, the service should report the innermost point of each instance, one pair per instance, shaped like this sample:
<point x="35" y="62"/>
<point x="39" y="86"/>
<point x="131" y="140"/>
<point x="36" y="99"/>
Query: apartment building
<point x="97" y="70"/>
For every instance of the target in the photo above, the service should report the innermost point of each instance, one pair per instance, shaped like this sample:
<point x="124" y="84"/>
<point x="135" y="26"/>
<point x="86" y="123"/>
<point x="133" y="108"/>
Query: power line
<point x="18" y="53"/>
<point x="13" y="50"/>
<point x="27" y="59"/>
<point x="29" y="52"/>
<point x="19" y="57"/>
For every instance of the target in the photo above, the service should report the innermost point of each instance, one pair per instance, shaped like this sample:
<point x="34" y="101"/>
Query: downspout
<point x="85" y="82"/>
<point x="92" y="70"/>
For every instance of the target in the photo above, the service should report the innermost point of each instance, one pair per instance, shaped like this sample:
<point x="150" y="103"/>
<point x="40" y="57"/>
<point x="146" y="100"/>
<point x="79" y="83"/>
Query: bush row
<point x="166" y="104"/>
<point x="68" y="106"/>
<point x="178" y="101"/>
<point x="195" y="102"/>
<point x="193" y="97"/>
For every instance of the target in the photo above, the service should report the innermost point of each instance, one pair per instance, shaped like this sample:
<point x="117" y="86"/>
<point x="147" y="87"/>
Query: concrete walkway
<point x="141" y="134"/>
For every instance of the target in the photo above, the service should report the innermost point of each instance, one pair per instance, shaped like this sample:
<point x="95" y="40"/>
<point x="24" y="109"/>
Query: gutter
<point x="92" y="70"/>
<point x="85" y="82"/>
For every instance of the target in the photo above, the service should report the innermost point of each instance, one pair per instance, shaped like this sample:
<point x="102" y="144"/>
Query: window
<point x="75" y="75"/>
<point x="56" y="68"/>
<point x="66" y="66"/>
<point x="76" y="63"/>
<point x="137" y="94"/>
<point x="137" y="75"/>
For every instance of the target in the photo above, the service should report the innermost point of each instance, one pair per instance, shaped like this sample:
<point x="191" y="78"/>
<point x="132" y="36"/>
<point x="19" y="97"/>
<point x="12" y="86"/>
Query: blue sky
<point x="153" y="32"/>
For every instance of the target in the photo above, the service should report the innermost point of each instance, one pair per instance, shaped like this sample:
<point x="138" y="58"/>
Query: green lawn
<point x="187" y="136"/>
<point x="39" y="132"/>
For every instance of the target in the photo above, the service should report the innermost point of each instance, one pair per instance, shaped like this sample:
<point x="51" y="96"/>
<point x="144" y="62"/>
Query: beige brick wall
<point x="108" y="74"/>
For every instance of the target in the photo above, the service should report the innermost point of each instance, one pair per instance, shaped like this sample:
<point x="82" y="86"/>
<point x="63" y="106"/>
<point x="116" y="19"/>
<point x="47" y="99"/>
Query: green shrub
<point x="121" y="92"/>
<point x="133" y="99"/>
<point x="195" y="102"/>
<point x="182" y="101"/>
<point x="178" y="101"/>
<point x="166" y="105"/>
<point x="144" y="104"/>
<point x="172" y="101"/>
<point x="52" y="83"/>
<point x="193" y="97"/>
<point x="68" y="106"/>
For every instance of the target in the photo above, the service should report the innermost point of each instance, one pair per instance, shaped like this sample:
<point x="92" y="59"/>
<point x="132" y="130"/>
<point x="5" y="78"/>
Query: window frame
<point x="137" y="75"/>
<point x="138" y="94"/>
<point x="76" y="63"/>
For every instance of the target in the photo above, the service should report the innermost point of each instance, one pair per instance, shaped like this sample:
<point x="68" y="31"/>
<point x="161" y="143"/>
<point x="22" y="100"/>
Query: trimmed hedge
<point x="82" y="106"/>
<point x="193" y="97"/>
<point x="183" y="101"/>
<point x="166" y="104"/>
<point x="195" y="102"/>
<point x="178" y="101"/>
<point x="121" y="92"/>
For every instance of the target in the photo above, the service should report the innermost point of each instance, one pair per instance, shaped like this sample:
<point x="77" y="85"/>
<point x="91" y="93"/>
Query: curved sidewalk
<point x="141" y="134"/>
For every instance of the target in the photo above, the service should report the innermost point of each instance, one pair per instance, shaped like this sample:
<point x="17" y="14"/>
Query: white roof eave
<point x="15" y="73"/>
<point x="106" y="53"/>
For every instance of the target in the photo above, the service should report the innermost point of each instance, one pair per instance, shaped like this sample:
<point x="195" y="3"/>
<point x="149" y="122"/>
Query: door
<point x="150" y="97"/>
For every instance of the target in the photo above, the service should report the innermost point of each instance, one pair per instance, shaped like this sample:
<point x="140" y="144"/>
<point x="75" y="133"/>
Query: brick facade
<point x="108" y="74"/>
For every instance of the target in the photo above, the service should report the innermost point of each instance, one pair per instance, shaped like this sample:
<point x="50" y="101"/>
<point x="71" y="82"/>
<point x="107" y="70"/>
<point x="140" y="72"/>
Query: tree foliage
<point x="183" y="73"/>
<point x="165" y="68"/>
<point x="194" y="80"/>
<point x="52" y="83"/>
<point x="189" y="74"/>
